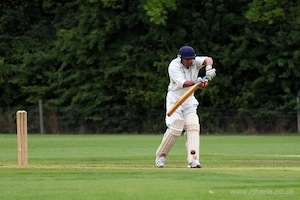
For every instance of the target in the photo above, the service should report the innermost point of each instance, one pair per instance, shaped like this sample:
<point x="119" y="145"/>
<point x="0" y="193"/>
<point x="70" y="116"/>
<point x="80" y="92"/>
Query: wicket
<point x="22" y="138"/>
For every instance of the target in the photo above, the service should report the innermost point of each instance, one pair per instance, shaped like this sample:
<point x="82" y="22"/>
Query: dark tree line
<point x="98" y="60"/>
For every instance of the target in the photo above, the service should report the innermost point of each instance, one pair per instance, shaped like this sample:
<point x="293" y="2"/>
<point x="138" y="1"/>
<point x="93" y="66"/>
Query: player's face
<point x="187" y="61"/>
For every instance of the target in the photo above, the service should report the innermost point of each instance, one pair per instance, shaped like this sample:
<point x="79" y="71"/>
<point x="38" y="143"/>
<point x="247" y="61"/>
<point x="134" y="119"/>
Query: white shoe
<point x="195" y="164"/>
<point x="160" y="161"/>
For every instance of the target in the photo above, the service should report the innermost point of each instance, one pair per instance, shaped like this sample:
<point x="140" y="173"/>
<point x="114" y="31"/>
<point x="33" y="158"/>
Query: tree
<point x="102" y="60"/>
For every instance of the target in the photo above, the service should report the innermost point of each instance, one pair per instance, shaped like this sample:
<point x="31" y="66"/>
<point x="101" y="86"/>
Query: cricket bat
<point x="188" y="93"/>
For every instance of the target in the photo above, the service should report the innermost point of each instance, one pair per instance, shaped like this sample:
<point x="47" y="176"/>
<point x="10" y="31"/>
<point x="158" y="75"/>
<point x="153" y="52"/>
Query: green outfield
<point x="122" y="167"/>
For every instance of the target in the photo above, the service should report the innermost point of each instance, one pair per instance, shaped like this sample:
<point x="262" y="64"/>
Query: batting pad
<point x="170" y="136"/>
<point x="192" y="127"/>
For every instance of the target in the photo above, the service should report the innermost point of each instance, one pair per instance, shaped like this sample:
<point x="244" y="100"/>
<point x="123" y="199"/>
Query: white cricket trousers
<point x="188" y="106"/>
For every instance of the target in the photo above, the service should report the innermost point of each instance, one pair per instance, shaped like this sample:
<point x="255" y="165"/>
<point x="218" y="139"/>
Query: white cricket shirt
<point x="178" y="73"/>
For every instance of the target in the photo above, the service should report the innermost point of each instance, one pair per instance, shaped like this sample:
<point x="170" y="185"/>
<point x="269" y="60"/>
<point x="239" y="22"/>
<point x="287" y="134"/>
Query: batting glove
<point x="202" y="82"/>
<point x="210" y="72"/>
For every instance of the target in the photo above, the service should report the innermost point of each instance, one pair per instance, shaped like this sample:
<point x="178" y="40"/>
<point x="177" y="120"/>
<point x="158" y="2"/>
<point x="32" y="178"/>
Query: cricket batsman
<point x="183" y="73"/>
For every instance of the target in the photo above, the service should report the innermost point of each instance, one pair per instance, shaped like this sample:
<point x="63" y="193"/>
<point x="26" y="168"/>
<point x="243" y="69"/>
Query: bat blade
<point x="186" y="95"/>
<point x="182" y="99"/>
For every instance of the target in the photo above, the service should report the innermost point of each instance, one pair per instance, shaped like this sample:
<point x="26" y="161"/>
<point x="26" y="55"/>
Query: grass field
<point x="122" y="167"/>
